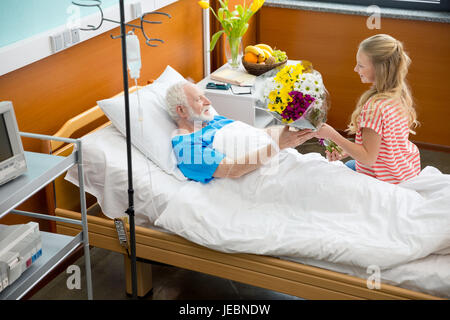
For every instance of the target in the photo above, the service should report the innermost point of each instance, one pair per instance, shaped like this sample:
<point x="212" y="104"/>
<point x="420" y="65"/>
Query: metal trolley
<point x="41" y="170"/>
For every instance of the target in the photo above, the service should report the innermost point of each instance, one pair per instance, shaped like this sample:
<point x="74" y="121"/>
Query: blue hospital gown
<point x="195" y="155"/>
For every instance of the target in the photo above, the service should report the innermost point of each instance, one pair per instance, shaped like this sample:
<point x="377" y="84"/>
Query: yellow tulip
<point x="256" y="5"/>
<point x="203" y="4"/>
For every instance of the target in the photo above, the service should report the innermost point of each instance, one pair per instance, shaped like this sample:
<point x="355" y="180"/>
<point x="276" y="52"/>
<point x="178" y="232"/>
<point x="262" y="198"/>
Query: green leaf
<point x="220" y="14"/>
<point x="244" y="30"/>
<point x="240" y="10"/>
<point x="225" y="6"/>
<point x="214" y="39"/>
<point x="227" y="26"/>
<point x="248" y="14"/>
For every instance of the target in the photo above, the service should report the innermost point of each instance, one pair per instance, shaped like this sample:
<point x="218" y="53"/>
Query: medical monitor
<point x="12" y="157"/>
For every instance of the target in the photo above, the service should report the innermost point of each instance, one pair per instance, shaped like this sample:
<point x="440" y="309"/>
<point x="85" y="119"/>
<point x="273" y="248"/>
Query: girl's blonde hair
<point x="391" y="64"/>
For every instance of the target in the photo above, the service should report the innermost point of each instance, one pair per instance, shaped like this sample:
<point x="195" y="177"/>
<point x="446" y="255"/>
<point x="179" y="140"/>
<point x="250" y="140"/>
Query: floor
<point x="171" y="283"/>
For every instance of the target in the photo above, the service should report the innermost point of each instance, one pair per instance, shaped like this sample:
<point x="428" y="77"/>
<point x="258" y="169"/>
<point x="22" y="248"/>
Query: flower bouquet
<point x="294" y="95"/>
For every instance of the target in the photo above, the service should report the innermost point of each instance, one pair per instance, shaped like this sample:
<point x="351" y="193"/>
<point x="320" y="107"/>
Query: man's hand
<point x="291" y="139"/>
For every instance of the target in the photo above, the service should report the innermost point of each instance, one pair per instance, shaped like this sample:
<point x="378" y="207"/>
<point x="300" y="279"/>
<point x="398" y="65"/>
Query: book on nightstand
<point x="236" y="77"/>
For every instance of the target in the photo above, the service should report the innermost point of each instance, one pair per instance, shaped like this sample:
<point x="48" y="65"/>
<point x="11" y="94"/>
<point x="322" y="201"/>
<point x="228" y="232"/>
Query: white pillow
<point x="169" y="75"/>
<point x="153" y="135"/>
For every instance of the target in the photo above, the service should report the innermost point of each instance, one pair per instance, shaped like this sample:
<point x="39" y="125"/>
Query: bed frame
<point x="155" y="246"/>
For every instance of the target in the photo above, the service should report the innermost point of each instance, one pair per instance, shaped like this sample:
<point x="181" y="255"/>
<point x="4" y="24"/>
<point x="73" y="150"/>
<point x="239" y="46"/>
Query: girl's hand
<point x="334" y="156"/>
<point x="325" y="131"/>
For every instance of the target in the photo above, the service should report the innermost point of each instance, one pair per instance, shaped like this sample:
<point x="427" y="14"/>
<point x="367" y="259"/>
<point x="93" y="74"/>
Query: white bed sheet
<point x="105" y="167"/>
<point x="106" y="177"/>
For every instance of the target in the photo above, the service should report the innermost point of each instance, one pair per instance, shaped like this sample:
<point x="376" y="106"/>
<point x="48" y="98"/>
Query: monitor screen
<point x="6" y="151"/>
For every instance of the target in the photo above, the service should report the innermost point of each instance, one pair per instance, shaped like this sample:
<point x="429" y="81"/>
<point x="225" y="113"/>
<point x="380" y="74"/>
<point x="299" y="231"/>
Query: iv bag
<point x="133" y="56"/>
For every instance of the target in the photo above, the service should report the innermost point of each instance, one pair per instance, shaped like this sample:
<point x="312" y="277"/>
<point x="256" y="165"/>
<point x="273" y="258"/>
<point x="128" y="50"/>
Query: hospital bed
<point x="154" y="245"/>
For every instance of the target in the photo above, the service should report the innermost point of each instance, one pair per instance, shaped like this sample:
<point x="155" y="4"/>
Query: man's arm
<point x="235" y="168"/>
<point x="283" y="138"/>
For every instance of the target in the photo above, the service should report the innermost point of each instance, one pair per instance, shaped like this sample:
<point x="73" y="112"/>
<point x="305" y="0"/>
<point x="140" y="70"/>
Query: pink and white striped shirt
<point x="398" y="158"/>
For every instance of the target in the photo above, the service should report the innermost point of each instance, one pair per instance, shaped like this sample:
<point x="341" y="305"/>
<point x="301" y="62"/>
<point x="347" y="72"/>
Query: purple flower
<point x="322" y="142"/>
<point x="297" y="107"/>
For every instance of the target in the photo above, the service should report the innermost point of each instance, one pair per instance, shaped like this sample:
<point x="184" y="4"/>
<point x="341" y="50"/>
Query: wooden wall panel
<point x="48" y="92"/>
<point x="331" y="40"/>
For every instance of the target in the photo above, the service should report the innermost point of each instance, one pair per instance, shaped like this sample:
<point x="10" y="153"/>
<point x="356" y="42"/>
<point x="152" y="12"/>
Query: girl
<point x="383" y="117"/>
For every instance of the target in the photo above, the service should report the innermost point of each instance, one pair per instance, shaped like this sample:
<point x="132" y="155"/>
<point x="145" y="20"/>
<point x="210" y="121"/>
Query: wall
<point x="42" y="28"/>
<point x="330" y="42"/>
<point x="30" y="17"/>
<point x="47" y="93"/>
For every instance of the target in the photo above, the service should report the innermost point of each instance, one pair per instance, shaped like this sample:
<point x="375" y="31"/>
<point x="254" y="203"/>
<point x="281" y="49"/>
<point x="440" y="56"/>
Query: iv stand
<point x="130" y="210"/>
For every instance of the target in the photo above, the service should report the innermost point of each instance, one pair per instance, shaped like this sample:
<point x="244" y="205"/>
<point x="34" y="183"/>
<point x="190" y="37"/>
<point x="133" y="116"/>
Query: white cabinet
<point x="236" y="106"/>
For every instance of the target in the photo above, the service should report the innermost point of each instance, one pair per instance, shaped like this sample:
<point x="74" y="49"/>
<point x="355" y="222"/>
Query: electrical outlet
<point x="67" y="38"/>
<point x="136" y="10"/>
<point x="57" y="42"/>
<point x="75" y="35"/>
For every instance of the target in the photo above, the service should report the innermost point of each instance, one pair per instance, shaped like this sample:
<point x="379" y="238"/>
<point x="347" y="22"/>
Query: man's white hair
<point x="175" y="97"/>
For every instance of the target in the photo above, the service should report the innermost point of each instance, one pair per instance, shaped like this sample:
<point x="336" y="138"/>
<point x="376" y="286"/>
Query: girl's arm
<point x="366" y="153"/>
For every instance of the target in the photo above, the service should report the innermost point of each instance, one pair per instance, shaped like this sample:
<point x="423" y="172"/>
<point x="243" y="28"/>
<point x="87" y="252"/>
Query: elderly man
<point x="197" y="128"/>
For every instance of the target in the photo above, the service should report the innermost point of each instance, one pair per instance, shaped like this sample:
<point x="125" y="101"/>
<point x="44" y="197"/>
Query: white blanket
<point x="312" y="208"/>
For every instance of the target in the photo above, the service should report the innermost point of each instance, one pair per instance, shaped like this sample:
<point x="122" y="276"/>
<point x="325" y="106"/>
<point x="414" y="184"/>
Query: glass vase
<point x="233" y="51"/>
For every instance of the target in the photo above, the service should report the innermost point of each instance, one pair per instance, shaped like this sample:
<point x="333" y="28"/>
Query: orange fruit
<point x="251" y="57"/>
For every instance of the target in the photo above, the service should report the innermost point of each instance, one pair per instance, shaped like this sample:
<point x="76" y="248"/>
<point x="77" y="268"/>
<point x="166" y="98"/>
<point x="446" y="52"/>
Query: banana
<point x="267" y="52"/>
<point x="255" y="50"/>
<point x="265" y="46"/>
<point x="262" y="58"/>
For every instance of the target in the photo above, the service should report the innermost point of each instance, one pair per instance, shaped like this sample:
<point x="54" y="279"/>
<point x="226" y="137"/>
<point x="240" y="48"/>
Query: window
<point x="432" y="5"/>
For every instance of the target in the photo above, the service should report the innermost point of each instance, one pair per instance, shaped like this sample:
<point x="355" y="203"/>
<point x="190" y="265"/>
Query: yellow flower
<point x="297" y="70"/>
<point x="289" y="99"/>
<point x="285" y="98"/>
<point x="203" y="4"/>
<point x="277" y="107"/>
<point x="286" y="69"/>
<point x="272" y="107"/>
<point x="282" y="77"/>
<point x="273" y="95"/>
<point x="256" y="5"/>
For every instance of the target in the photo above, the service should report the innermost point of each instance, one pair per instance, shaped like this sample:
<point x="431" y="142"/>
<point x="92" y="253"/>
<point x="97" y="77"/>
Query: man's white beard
<point x="200" y="117"/>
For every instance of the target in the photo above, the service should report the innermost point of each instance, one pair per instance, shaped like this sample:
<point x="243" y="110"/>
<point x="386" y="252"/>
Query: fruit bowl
<point x="257" y="69"/>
